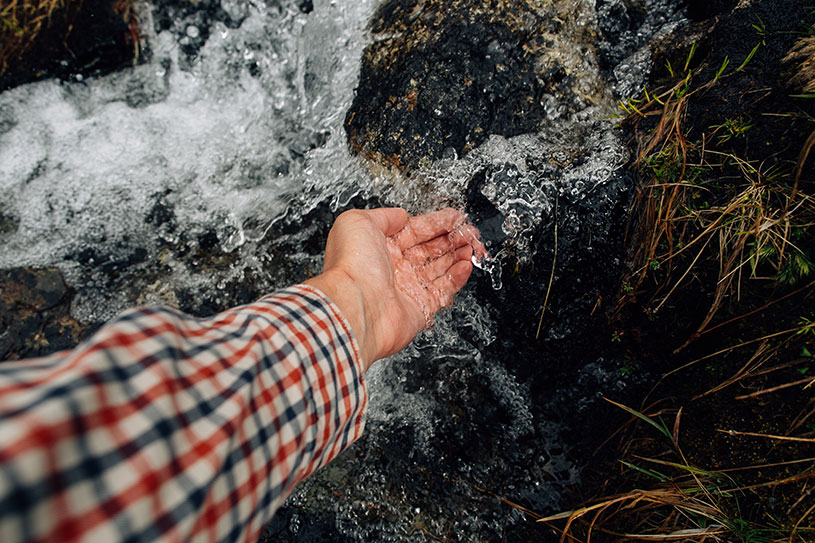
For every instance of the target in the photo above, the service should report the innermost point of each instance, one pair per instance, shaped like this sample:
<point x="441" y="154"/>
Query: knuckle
<point x="352" y="215"/>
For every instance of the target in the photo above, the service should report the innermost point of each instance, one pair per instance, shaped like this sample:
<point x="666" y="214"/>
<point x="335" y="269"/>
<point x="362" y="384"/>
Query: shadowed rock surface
<point x="441" y="77"/>
<point x="34" y="313"/>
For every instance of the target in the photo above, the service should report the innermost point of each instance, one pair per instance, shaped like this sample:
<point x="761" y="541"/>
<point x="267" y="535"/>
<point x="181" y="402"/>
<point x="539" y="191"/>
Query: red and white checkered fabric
<point x="163" y="427"/>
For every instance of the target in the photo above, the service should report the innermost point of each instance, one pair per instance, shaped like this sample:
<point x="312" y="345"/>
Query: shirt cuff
<point x="333" y="368"/>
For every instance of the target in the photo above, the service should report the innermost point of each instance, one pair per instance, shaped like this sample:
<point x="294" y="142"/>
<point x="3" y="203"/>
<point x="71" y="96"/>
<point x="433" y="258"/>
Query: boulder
<point x="441" y="76"/>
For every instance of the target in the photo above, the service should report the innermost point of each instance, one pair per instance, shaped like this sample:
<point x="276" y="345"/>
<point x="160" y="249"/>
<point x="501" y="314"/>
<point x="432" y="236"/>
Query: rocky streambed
<point x="210" y="172"/>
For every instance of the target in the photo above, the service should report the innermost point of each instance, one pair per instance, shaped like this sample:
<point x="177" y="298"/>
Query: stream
<point x="209" y="174"/>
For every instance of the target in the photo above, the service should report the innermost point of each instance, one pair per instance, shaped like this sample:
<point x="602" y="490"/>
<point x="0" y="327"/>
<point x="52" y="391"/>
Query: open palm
<point x="406" y="268"/>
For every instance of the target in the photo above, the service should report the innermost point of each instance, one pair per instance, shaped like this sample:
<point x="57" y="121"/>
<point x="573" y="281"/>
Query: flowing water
<point x="210" y="174"/>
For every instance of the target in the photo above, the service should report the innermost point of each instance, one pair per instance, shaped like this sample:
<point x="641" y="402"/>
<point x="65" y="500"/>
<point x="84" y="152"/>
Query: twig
<point x="779" y="387"/>
<point x="800" y="520"/>
<point x="754" y="362"/>
<point x="426" y="532"/>
<point x="728" y="349"/>
<point x="804" y="494"/>
<point x="503" y="500"/>
<point x="768" y="436"/>
<point x="764" y="466"/>
<point x="777" y="482"/>
<point x="661" y="303"/>
<point x="758" y="310"/>
<point x="551" y="278"/>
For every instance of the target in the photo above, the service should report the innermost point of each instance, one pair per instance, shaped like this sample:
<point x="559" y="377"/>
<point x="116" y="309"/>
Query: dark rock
<point x="34" y="314"/>
<point x="758" y="91"/>
<point x="144" y="89"/>
<point x="699" y="10"/>
<point x="36" y="290"/>
<point x="441" y="77"/>
<point x="191" y="21"/>
<point x="627" y="25"/>
<point x="481" y="212"/>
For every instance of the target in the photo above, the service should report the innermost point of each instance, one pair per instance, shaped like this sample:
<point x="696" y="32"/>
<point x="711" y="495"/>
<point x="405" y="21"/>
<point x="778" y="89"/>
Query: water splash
<point x="181" y="148"/>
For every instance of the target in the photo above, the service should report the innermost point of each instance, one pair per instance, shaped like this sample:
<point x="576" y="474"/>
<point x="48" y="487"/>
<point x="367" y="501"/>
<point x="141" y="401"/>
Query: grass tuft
<point x="21" y="21"/>
<point x="803" y="54"/>
<point x="702" y="205"/>
<point x="25" y="22"/>
<point x="679" y="501"/>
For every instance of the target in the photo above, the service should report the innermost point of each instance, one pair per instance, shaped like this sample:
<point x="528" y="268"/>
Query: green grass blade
<point x="650" y="473"/>
<point x="690" y="56"/>
<point x="749" y="58"/>
<point x="661" y="427"/>
<point x="722" y="69"/>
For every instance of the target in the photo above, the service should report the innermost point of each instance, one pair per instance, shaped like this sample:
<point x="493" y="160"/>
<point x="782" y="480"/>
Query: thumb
<point x="390" y="220"/>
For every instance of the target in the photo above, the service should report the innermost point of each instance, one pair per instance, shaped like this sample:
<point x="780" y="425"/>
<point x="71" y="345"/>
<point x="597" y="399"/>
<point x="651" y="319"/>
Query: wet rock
<point x="7" y="118"/>
<point x="8" y="223"/>
<point x="767" y="30"/>
<point x="34" y="314"/>
<point x="626" y="26"/>
<point x="441" y="77"/>
<point x="192" y="22"/>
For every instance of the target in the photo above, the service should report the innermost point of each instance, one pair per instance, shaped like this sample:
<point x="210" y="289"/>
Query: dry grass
<point x="21" y="21"/>
<point x="706" y="214"/>
<point x="679" y="501"/>
<point x="24" y="22"/>
<point x="803" y="54"/>
<point x="701" y="207"/>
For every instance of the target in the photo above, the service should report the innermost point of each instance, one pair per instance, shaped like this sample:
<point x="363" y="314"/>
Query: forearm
<point x="164" y="427"/>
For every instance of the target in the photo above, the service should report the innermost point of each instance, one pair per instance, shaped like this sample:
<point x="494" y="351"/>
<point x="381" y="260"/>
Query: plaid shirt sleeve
<point x="163" y="427"/>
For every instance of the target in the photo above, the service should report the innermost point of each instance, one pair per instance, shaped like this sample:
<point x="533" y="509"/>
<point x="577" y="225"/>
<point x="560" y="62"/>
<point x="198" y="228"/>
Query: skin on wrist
<point x="346" y="294"/>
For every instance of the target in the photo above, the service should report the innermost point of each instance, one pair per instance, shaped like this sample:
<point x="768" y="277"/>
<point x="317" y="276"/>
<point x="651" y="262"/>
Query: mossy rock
<point x="46" y="38"/>
<point x="442" y="76"/>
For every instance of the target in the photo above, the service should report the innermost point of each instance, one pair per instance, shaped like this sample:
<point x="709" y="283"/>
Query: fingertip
<point x="479" y="250"/>
<point x="453" y="212"/>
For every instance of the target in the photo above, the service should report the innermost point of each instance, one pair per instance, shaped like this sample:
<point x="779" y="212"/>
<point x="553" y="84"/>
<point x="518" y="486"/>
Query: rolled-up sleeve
<point x="163" y="427"/>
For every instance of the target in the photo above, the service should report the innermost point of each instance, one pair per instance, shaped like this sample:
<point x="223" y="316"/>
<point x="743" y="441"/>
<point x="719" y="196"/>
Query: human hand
<point x="390" y="273"/>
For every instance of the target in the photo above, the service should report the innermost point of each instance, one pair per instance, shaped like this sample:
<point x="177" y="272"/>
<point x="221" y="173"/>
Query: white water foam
<point x="82" y="163"/>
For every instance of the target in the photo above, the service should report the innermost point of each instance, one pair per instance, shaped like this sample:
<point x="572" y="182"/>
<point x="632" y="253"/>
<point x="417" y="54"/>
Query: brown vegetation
<point x="719" y="296"/>
<point x="21" y="21"/>
<point x="35" y="35"/>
